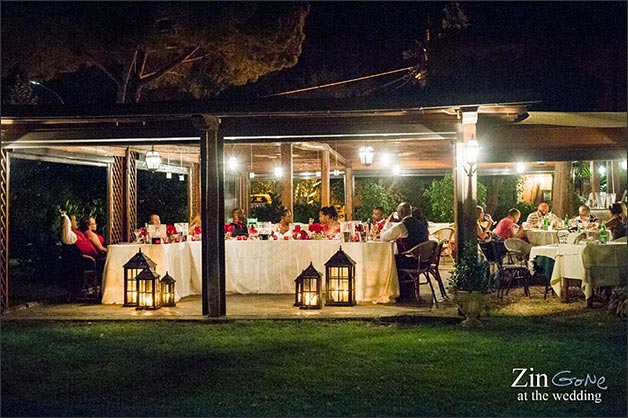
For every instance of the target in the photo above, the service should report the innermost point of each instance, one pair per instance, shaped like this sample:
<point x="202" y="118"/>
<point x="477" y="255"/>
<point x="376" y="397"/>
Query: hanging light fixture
<point x="153" y="159"/>
<point x="521" y="167"/>
<point x="233" y="163"/>
<point x="168" y="173"/>
<point x="366" y="155"/>
<point x="181" y="176"/>
<point x="278" y="172"/>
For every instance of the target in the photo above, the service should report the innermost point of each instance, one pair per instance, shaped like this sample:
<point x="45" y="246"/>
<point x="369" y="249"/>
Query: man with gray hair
<point x="407" y="231"/>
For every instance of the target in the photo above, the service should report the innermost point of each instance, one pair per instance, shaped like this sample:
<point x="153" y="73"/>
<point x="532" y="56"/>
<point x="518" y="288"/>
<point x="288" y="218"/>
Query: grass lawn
<point x="308" y="368"/>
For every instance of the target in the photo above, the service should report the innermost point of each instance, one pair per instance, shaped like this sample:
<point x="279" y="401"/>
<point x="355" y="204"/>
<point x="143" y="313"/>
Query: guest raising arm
<point x="484" y="232"/>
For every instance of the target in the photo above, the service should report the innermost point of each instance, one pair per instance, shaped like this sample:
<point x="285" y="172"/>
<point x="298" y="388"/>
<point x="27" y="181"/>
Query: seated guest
<point x="407" y="231"/>
<point x="239" y="223"/>
<point x="284" y="221"/>
<point x="328" y="216"/>
<point x="535" y="219"/>
<point x="71" y="235"/>
<point x="379" y="219"/>
<point x="484" y="223"/>
<point x="508" y="228"/>
<point x="617" y="222"/>
<point x="153" y="219"/>
<point x="88" y="227"/>
<point x="584" y="217"/>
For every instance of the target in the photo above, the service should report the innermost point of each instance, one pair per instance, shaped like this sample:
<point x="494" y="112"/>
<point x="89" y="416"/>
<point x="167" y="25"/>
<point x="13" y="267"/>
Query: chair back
<point x="423" y="252"/>
<point x="562" y="235"/>
<point x="518" y="245"/>
<point x="443" y="234"/>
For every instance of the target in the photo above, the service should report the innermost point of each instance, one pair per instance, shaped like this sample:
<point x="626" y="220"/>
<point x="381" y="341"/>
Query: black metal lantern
<point x="148" y="290"/>
<point x="132" y="268"/>
<point x="340" y="280"/>
<point x="167" y="290"/>
<point x="307" y="293"/>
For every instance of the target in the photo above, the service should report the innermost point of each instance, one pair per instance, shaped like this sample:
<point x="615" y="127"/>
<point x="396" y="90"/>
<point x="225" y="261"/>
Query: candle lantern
<point x="308" y="289"/>
<point x="148" y="290"/>
<point x="132" y="268"/>
<point x="340" y="280"/>
<point x="167" y="290"/>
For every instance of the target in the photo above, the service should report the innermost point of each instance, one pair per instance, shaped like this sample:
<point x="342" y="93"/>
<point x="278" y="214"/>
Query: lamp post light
<point x="471" y="151"/>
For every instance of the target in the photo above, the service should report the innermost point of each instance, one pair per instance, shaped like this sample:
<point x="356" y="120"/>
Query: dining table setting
<point x="587" y="262"/>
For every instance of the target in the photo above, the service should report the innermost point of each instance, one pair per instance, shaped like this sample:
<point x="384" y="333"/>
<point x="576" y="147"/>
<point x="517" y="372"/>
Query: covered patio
<point x="302" y="138"/>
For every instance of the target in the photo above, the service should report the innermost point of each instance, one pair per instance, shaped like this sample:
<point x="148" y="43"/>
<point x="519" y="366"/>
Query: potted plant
<point x="470" y="284"/>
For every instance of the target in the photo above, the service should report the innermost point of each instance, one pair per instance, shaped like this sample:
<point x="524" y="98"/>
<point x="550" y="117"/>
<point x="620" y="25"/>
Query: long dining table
<point x="259" y="267"/>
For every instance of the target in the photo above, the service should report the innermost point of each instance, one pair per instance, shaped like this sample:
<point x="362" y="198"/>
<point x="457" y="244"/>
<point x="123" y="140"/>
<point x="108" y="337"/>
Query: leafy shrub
<point x="471" y="273"/>
<point x="441" y="196"/>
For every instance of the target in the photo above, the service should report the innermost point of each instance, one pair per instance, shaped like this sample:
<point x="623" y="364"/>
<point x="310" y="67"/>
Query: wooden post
<point x="348" y="192"/>
<point x="465" y="185"/>
<point x="614" y="180"/>
<point x="244" y="192"/>
<point x="325" y="195"/>
<point x="4" y="229"/>
<point x="212" y="218"/>
<point x="286" y="181"/>
<point x="595" y="177"/>
<point x="562" y="190"/>
<point x="194" y="191"/>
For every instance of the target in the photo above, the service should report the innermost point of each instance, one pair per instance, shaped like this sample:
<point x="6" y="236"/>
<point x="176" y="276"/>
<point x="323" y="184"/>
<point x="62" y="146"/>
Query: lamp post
<point x="471" y="151"/>
<point x="35" y="83"/>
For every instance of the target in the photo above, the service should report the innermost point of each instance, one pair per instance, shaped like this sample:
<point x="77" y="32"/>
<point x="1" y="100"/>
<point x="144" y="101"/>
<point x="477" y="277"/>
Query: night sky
<point x="351" y="39"/>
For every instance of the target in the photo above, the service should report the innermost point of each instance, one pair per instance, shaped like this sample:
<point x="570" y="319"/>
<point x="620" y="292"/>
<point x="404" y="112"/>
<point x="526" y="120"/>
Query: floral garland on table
<point x="172" y="233"/>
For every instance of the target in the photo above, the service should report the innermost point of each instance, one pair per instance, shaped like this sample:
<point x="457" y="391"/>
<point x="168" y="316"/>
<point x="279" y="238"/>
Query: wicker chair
<point x="445" y="235"/>
<point x="424" y="254"/>
<point x="518" y="253"/>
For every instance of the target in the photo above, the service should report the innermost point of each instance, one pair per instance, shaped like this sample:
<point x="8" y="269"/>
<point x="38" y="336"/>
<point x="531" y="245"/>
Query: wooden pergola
<point x="301" y="137"/>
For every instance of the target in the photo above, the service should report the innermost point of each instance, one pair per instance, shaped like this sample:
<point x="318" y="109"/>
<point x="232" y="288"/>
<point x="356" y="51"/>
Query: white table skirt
<point x="175" y="259"/>
<point x="569" y="262"/>
<point x="259" y="267"/>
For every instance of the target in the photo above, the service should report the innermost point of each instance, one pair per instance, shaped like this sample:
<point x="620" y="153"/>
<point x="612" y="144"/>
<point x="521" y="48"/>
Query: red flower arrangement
<point x="316" y="228"/>
<point x="197" y="230"/>
<point x="228" y="228"/>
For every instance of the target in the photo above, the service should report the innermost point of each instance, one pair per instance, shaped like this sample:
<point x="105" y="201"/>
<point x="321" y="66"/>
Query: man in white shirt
<point x="407" y="231"/>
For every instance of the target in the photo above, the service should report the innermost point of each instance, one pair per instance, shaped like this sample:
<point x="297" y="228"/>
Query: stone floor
<point x="238" y="307"/>
<point x="242" y="307"/>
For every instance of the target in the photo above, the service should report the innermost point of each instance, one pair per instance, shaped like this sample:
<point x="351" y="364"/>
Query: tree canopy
<point x="154" y="51"/>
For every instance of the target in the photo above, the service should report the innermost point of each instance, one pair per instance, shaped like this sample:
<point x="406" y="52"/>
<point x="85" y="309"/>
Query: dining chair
<point x="562" y="235"/>
<point x="434" y="268"/>
<point x="518" y="253"/>
<point x="445" y="235"/>
<point x="423" y="253"/>
<point x="494" y="251"/>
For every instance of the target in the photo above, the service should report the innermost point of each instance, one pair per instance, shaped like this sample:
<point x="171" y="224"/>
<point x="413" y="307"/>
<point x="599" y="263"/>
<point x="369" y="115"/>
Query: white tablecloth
<point x="259" y="266"/>
<point x="175" y="259"/>
<point x="541" y="237"/>
<point x="569" y="262"/>
<point x="272" y="266"/>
